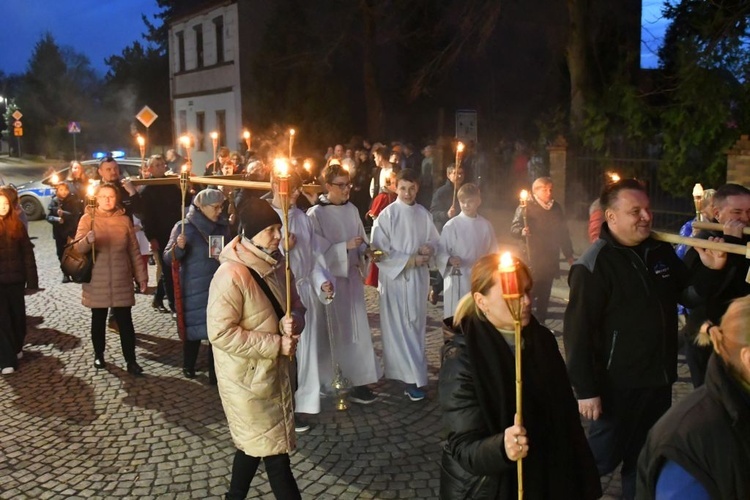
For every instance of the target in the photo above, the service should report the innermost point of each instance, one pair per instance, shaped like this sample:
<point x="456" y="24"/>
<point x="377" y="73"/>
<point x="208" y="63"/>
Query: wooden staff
<point x="714" y="226"/>
<point x="514" y="299"/>
<point x="457" y="165"/>
<point x="220" y="180"/>
<point x="700" y="243"/>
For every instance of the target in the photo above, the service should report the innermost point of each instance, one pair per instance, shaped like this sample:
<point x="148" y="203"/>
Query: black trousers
<point x="540" y="296"/>
<point x="697" y="360"/>
<point x="278" y="468"/>
<point x="190" y="350"/>
<point x="12" y="324"/>
<point x="127" y="332"/>
<point x="619" y="434"/>
<point x="165" y="286"/>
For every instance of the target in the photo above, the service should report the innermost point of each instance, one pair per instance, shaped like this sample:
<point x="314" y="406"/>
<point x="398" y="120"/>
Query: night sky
<point x="95" y="28"/>
<point x="101" y="28"/>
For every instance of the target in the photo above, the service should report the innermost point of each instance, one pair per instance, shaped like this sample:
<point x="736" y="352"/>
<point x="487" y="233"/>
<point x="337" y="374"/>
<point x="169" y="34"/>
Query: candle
<point x="307" y="165"/>
<point x="459" y="151"/>
<point x="291" y="141"/>
<point x="282" y="174"/>
<point x="246" y="135"/>
<point x="55" y="180"/>
<point x="215" y="143"/>
<point x="184" y="179"/>
<point x="185" y="141"/>
<point x="613" y="177"/>
<point x="697" y="197"/>
<point x="523" y="198"/>
<point x="508" y="276"/>
<point x="141" y="145"/>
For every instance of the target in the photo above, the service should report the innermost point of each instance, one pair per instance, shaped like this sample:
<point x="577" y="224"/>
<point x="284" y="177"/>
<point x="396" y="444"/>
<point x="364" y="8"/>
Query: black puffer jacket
<point x="621" y="321"/>
<point x="477" y="396"/>
<point x="708" y="434"/>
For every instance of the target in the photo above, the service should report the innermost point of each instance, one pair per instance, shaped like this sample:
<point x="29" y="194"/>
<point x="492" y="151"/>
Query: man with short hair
<point x="405" y="233"/>
<point x="214" y="167"/>
<point x="342" y="240"/>
<point x="546" y="232"/>
<point x="620" y="330"/>
<point x="174" y="161"/>
<point x="109" y="171"/>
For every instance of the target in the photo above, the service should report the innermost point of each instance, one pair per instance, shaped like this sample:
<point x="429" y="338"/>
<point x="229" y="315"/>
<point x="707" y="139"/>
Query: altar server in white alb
<point x="404" y="231"/>
<point x="314" y="286"/>
<point x="465" y="239"/>
<point x="343" y="241"/>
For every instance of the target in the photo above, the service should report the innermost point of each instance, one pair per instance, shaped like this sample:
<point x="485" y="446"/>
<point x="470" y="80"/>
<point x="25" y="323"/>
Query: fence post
<point x="558" y="152"/>
<point x="738" y="162"/>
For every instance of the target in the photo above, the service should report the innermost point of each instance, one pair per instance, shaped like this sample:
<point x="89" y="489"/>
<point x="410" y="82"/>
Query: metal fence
<point x="586" y="175"/>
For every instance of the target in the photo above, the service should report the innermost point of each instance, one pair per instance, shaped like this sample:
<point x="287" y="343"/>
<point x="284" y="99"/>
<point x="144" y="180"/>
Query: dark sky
<point x="95" y="28"/>
<point x="101" y="28"/>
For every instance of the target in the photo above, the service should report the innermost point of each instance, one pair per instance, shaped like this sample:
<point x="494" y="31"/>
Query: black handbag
<point x="75" y="264"/>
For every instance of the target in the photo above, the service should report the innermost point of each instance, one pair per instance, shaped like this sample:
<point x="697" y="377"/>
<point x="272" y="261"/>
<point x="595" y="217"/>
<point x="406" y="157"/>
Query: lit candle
<point x="184" y="179"/>
<point x="523" y="198"/>
<point x="141" y="145"/>
<point x="291" y="141"/>
<point x="307" y="165"/>
<point x="215" y="143"/>
<point x="282" y="174"/>
<point x="185" y="141"/>
<point x="697" y="197"/>
<point x="459" y="152"/>
<point x="613" y="177"/>
<point x="508" y="276"/>
<point x="246" y="135"/>
<point x="55" y="180"/>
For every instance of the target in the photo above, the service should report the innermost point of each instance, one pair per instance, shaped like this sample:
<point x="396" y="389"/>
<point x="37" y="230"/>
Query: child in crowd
<point x="64" y="212"/>
<point x="404" y="231"/>
<point x="465" y="238"/>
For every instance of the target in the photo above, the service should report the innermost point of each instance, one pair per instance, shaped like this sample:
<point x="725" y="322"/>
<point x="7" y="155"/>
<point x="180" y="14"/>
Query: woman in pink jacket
<point x="110" y="234"/>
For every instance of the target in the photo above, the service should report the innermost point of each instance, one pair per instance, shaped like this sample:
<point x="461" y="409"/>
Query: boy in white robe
<point x="313" y="286"/>
<point x="404" y="231"/>
<point x="465" y="238"/>
<point x="343" y="241"/>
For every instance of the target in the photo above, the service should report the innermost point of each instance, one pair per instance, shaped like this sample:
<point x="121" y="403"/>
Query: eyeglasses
<point x="342" y="185"/>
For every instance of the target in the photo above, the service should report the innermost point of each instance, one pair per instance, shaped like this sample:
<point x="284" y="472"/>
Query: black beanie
<point x="255" y="215"/>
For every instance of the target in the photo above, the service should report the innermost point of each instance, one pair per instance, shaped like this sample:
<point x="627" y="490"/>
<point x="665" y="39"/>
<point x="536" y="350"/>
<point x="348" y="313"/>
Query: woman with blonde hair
<point x="477" y="394"/>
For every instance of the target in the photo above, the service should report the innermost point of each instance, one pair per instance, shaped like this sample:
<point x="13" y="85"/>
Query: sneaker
<point x="362" y="395"/>
<point x="414" y="393"/>
<point x="301" y="425"/>
<point x="8" y="370"/>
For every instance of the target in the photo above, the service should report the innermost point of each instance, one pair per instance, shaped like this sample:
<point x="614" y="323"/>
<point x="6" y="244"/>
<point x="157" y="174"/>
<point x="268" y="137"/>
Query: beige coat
<point x="253" y="378"/>
<point x="118" y="259"/>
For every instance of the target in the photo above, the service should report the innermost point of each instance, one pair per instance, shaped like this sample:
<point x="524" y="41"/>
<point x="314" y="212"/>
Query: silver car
<point x="35" y="196"/>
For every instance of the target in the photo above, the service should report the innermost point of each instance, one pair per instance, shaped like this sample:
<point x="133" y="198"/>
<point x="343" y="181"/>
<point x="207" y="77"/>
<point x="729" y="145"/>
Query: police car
<point x="35" y="196"/>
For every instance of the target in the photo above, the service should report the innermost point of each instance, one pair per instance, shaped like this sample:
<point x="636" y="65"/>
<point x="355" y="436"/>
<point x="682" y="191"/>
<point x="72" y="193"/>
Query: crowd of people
<point x="386" y="218"/>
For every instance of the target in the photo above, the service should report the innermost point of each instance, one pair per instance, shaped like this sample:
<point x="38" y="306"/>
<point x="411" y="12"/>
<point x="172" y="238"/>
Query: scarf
<point x="546" y="206"/>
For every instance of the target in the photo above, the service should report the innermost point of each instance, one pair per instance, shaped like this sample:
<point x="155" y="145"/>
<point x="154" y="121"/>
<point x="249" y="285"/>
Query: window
<point x="180" y="51"/>
<point x="183" y="128"/>
<point x="200" y="124"/>
<point x="199" y="45"/>
<point x="219" y="31"/>
<point x="221" y="126"/>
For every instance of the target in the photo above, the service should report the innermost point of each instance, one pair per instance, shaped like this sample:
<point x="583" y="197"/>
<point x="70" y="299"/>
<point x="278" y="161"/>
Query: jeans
<point x="278" y="468"/>
<point x="127" y="332"/>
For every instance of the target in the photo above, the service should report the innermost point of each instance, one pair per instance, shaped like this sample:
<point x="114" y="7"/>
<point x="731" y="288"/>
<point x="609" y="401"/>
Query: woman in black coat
<point x="477" y="395"/>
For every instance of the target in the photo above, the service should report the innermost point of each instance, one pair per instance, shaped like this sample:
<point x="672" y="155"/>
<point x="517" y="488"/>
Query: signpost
<point x="146" y="116"/>
<point x="18" y="128"/>
<point x="74" y="128"/>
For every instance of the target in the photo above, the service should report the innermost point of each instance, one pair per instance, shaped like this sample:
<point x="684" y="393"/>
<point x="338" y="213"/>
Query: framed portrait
<point x="215" y="246"/>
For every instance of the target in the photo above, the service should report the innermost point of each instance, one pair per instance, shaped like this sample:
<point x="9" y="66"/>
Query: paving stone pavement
<point x="70" y="431"/>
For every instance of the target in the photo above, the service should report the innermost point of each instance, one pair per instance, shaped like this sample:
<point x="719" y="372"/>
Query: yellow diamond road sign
<point x="17" y="115"/>
<point x="146" y="116"/>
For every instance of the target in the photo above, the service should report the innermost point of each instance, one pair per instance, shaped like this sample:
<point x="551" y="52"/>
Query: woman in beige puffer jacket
<point x="117" y="261"/>
<point x="252" y="349"/>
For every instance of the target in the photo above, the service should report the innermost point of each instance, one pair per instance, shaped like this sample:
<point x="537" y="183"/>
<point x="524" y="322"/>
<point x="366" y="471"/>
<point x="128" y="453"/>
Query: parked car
<point x="35" y="196"/>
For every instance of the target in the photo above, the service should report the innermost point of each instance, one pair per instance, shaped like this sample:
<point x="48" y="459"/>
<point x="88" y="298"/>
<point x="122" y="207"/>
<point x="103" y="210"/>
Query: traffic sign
<point x="17" y="115"/>
<point x="74" y="128"/>
<point x="146" y="116"/>
<point x="18" y="131"/>
<point x="17" y="123"/>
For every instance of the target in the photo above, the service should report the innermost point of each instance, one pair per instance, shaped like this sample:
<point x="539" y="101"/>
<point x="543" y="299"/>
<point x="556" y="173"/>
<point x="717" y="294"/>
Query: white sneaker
<point x="19" y="355"/>
<point x="8" y="370"/>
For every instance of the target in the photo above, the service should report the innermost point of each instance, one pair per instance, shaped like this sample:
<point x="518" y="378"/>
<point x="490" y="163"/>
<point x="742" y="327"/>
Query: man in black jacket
<point x="620" y="329"/>
<point x="702" y="444"/>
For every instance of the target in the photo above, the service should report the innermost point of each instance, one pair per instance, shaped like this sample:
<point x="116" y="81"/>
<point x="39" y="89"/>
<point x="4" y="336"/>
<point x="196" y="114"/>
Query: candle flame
<point x="55" y="179"/>
<point x="141" y="141"/>
<point x="281" y="167"/>
<point x="460" y="147"/>
<point x="524" y="195"/>
<point x="613" y="176"/>
<point x="506" y="262"/>
<point x="291" y="131"/>
<point x="185" y="168"/>
<point x="697" y="191"/>
<point x="214" y="136"/>
<point x="307" y="165"/>
<point x="90" y="191"/>
<point x="246" y="135"/>
<point x="185" y="140"/>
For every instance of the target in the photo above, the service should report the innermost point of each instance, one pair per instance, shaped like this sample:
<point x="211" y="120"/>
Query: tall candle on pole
<point x="282" y="175"/>
<point x="215" y="144"/>
<point x="513" y="297"/>
<point x="185" y="142"/>
<point x="184" y="180"/>
<point x="91" y="203"/>
<point x="142" y="147"/>
<point x="459" y="153"/>
<point x="697" y="197"/>
<point x="523" y="198"/>
<point x="291" y="142"/>
<point x="248" y="139"/>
